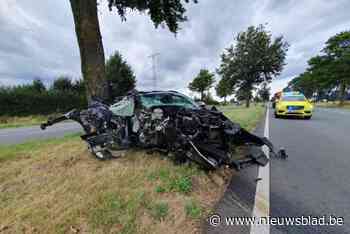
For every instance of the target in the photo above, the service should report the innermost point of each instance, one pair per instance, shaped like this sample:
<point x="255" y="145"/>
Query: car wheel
<point x="307" y="117"/>
<point x="277" y="116"/>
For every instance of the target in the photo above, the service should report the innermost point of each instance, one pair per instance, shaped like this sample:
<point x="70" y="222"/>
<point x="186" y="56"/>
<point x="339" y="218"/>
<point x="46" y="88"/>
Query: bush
<point x="26" y="100"/>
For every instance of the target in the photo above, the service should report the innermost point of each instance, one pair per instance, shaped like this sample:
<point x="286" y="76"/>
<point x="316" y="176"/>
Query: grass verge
<point x="54" y="186"/>
<point x="15" y="122"/>
<point x="16" y="151"/>
<point x="334" y="105"/>
<point x="248" y="118"/>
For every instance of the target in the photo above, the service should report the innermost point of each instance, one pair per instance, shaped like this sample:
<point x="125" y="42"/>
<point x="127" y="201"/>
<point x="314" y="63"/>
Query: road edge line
<point x="262" y="194"/>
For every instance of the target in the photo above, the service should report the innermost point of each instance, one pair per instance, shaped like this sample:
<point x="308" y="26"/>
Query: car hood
<point x="295" y="103"/>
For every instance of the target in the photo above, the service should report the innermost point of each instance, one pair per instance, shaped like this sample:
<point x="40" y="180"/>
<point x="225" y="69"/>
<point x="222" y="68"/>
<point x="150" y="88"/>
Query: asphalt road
<point x="20" y="135"/>
<point x="314" y="181"/>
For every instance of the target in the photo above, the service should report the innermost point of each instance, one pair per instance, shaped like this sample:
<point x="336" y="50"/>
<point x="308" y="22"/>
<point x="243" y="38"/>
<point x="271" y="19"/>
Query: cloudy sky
<point x="37" y="38"/>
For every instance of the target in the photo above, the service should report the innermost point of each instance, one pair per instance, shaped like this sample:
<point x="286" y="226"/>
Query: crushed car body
<point x="169" y="122"/>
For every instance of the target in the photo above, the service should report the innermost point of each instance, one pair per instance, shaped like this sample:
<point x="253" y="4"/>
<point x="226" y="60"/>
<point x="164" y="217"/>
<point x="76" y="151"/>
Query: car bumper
<point x="301" y="113"/>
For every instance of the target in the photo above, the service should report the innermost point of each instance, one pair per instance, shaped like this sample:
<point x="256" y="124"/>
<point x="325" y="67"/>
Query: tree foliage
<point x="327" y="71"/>
<point x="120" y="76"/>
<point x="38" y="85"/>
<point x="264" y="92"/>
<point x="209" y="99"/>
<point x="202" y="82"/>
<point x="304" y="83"/>
<point x="337" y="51"/>
<point x="63" y="84"/>
<point x="224" y="89"/>
<point x="243" y="95"/>
<point x="316" y="78"/>
<point x="254" y="58"/>
<point x="79" y="87"/>
<point x="168" y="12"/>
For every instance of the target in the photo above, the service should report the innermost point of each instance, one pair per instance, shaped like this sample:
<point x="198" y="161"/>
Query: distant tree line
<point x="328" y="74"/>
<point x="64" y="94"/>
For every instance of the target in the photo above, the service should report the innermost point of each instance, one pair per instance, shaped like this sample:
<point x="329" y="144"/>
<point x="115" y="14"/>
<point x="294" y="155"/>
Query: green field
<point x="15" y="122"/>
<point x="346" y="105"/>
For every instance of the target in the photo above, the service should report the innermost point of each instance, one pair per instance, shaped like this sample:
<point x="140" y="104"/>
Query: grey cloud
<point x="36" y="42"/>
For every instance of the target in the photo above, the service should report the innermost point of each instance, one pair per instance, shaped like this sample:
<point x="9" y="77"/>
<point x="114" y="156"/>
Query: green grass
<point x="248" y="118"/>
<point x="106" y="211"/>
<point x="14" y="151"/>
<point x="16" y="122"/>
<point x="159" y="210"/>
<point x="179" y="182"/>
<point x="111" y="210"/>
<point x="193" y="209"/>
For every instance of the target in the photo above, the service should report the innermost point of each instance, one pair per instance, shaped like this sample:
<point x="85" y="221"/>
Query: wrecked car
<point x="168" y="122"/>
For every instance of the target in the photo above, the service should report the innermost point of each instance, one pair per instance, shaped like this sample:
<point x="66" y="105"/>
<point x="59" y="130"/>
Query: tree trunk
<point x="225" y="100"/>
<point x="248" y="97"/>
<point x="342" y="93"/>
<point x="92" y="56"/>
<point x="202" y="96"/>
<point x="247" y="102"/>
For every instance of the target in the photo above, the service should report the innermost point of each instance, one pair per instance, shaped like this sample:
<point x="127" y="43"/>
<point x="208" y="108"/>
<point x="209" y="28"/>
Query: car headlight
<point x="309" y="107"/>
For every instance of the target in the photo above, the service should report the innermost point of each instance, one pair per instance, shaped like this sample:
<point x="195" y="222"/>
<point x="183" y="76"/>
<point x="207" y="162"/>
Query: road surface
<point x="314" y="181"/>
<point x="20" y="135"/>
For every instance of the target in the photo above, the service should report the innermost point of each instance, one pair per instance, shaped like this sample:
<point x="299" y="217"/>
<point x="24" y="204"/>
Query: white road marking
<point x="262" y="195"/>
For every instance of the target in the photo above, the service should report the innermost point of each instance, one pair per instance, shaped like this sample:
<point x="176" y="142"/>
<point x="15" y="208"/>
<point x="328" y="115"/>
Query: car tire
<point x="277" y="116"/>
<point x="307" y="117"/>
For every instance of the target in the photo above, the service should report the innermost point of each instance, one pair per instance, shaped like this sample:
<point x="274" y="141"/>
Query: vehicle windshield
<point x="166" y="99"/>
<point x="295" y="98"/>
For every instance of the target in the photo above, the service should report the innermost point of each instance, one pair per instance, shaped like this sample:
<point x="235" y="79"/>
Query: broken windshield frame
<point x="166" y="99"/>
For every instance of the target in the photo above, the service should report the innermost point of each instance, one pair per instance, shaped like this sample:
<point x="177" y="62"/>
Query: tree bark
<point x="202" y="96"/>
<point x="247" y="102"/>
<point x="92" y="56"/>
<point x="248" y="97"/>
<point x="342" y="93"/>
